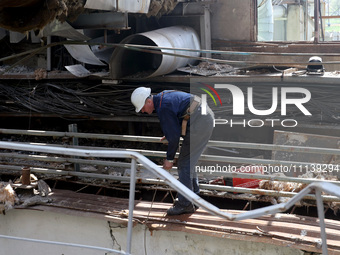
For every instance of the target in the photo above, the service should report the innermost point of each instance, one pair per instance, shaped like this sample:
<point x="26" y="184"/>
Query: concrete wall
<point x="96" y="232"/>
<point x="233" y="20"/>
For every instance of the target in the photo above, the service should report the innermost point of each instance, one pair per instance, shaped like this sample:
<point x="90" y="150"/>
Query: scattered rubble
<point x="294" y="186"/>
<point x="209" y="69"/>
<point x="40" y="74"/>
<point x="8" y="197"/>
<point x="35" y="200"/>
<point x="297" y="187"/>
<point x="16" y="69"/>
<point x="21" y="196"/>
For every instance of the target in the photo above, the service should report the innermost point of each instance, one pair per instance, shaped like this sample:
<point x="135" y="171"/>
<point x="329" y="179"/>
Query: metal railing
<point x="161" y="154"/>
<point x="318" y="187"/>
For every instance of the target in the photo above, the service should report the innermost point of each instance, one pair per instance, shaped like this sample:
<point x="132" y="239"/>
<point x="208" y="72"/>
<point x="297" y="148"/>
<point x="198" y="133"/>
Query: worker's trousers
<point x="197" y="135"/>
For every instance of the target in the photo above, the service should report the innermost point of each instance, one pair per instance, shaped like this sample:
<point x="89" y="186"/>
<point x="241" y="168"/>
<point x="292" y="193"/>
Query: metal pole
<point x="49" y="55"/>
<point x="321" y="216"/>
<point x="316" y="21"/>
<point x="306" y="20"/>
<point x="206" y="30"/>
<point x="73" y="128"/>
<point x="131" y="204"/>
<point x="321" y="24"/>
<point x="82" y="246"/>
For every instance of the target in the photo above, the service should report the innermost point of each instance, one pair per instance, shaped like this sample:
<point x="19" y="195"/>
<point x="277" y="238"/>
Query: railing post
<point x="131" y="204"/>
<point x="74" y="129"/>
<point x="321" y="215"/>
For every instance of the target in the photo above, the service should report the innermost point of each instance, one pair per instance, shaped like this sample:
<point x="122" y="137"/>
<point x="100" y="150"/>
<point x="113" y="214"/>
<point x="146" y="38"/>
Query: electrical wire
<point x="98" y="100"/>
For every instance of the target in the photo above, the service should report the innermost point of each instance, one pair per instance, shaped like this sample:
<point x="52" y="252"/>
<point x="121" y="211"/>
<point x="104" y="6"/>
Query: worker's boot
<point x="196" y="207"/>
<point x="178" y="209"/>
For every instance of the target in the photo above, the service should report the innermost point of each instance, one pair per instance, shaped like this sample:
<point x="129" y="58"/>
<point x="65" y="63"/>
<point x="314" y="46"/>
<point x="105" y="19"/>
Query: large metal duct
<point x="126" y="62"/>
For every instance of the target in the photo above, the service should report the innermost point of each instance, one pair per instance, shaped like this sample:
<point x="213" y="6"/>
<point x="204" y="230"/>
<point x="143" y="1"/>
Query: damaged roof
<point x="300" y="232"/>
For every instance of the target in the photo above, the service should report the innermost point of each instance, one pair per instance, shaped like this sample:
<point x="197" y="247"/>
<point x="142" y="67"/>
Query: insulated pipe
<point x="126" y="62"/>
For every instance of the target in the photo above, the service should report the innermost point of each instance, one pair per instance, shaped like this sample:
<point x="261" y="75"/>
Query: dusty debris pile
<point x="161" y="7"/>
<point x="8" y="198"/>
<point x="12" y="195"/>
<point x="297" y="187"/>
<point x="294" y="186"/>
<point x="205" y="68"/>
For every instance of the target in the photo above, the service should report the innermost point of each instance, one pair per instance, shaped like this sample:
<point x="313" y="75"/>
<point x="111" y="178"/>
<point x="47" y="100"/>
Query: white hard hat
<point x="138" y="97"/>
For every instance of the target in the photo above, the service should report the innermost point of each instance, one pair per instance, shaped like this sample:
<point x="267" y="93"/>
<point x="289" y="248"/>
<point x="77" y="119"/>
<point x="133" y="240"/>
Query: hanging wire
<point x="99" y="100"/>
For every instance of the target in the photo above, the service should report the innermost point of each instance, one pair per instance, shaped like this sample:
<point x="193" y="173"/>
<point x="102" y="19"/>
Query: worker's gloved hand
<point x="167" y="165"/>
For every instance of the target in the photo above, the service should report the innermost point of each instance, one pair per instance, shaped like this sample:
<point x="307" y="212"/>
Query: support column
<point x="205" y="30"/>
<point x="316" y="20"/>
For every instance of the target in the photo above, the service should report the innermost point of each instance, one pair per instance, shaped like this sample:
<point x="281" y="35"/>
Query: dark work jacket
<point x="171" y="106"/>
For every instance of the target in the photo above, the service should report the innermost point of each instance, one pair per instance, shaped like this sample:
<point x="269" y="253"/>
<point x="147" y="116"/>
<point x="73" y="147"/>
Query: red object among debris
<point x="242" y="182"/>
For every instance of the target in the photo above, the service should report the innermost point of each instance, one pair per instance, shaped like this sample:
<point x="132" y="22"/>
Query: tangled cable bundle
<point x="68" y="99"/>
<point x="88" y="99"/>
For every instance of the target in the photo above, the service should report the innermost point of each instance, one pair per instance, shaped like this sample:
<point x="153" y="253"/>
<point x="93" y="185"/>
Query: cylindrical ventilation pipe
<point x="125" y="62"/>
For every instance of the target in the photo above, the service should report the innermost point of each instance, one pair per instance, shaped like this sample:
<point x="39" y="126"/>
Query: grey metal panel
<point x="108" y="20"/>
<point x="83" y="54"/>
<point x="134" y="6"/>
<point x="131" y="6"/>
<point x="16" y="37"/>
<point x="104" y="5"/>
<point x="308" y="140"/>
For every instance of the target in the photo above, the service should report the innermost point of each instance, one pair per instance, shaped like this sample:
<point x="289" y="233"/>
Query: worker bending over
<point x="179" y="114"/>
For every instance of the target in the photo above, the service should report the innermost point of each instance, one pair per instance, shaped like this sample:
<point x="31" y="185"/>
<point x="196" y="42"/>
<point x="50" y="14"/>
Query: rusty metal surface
<point x="301" y="232"/>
